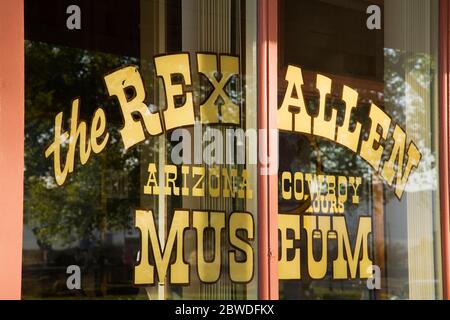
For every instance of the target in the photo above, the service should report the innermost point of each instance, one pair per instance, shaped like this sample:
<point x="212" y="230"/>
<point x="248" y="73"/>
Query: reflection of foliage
<point x="80" y="209"/>
<point x="409" y="97"/>
<point x="408" y="100"/>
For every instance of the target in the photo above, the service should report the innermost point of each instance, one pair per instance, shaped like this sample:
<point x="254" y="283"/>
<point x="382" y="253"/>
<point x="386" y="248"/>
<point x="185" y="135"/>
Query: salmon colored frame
<point x="11" y="146"/>
<point x="267" y="115"/>
<point x="444" y="139"/>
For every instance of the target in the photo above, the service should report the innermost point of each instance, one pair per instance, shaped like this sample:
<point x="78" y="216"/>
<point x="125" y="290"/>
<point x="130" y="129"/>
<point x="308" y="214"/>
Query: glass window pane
<point x="358" y="177"/>
<point x="135" y="170"/>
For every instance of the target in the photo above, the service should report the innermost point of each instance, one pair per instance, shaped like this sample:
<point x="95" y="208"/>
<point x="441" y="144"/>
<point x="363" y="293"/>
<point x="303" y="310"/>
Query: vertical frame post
<point x="444" y="138"/>
<point x="267" y="181"/>
<point x="12" y="112"/>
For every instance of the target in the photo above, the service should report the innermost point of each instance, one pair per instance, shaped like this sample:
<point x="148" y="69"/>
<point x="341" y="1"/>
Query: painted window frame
<point x="12" y="110"/>
<point x="444" y="141"/>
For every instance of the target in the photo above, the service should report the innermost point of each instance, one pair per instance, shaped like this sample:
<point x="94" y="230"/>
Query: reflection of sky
<point x="29" y="240"/>
<point x="409" y="96"/>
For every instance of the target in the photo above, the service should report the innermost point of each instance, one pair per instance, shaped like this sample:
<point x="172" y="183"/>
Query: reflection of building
<point x="90" y="219"/>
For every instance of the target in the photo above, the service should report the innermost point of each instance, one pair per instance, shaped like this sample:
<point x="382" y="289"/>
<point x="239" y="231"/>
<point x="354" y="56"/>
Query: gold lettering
<point x="152" y="186"/>
<point x="289" y="269"/>
<point x="369" y="152"/>
<point x="171" y="177"/>
<point x="98" y="129"/>
<point x="355" y="182"/>
<point x="229" y="67"/>
<point x="77" y="134"/>
<point x="286" y="178"/>
<point x="293" y="110"/>
<point x="209" y="271"/>
<point x="341" y="263"/>
<point x="118" y="83"/>
<point x="322" y="127"/>
<point x="199" y="188"/>
<point x="179" y="270"/>
<point x="317" y="227"/>
<point x="241" y="271"/>
<point x="166" y="67"/>
<point x="346" y="137"/>
<point x="392" y="167"/>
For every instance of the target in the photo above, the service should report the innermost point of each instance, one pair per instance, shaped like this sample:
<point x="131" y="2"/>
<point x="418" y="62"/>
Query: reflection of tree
<point x="78" y="210"/>
<point x="409" y="92"/>
<point x="410" y="95"/>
